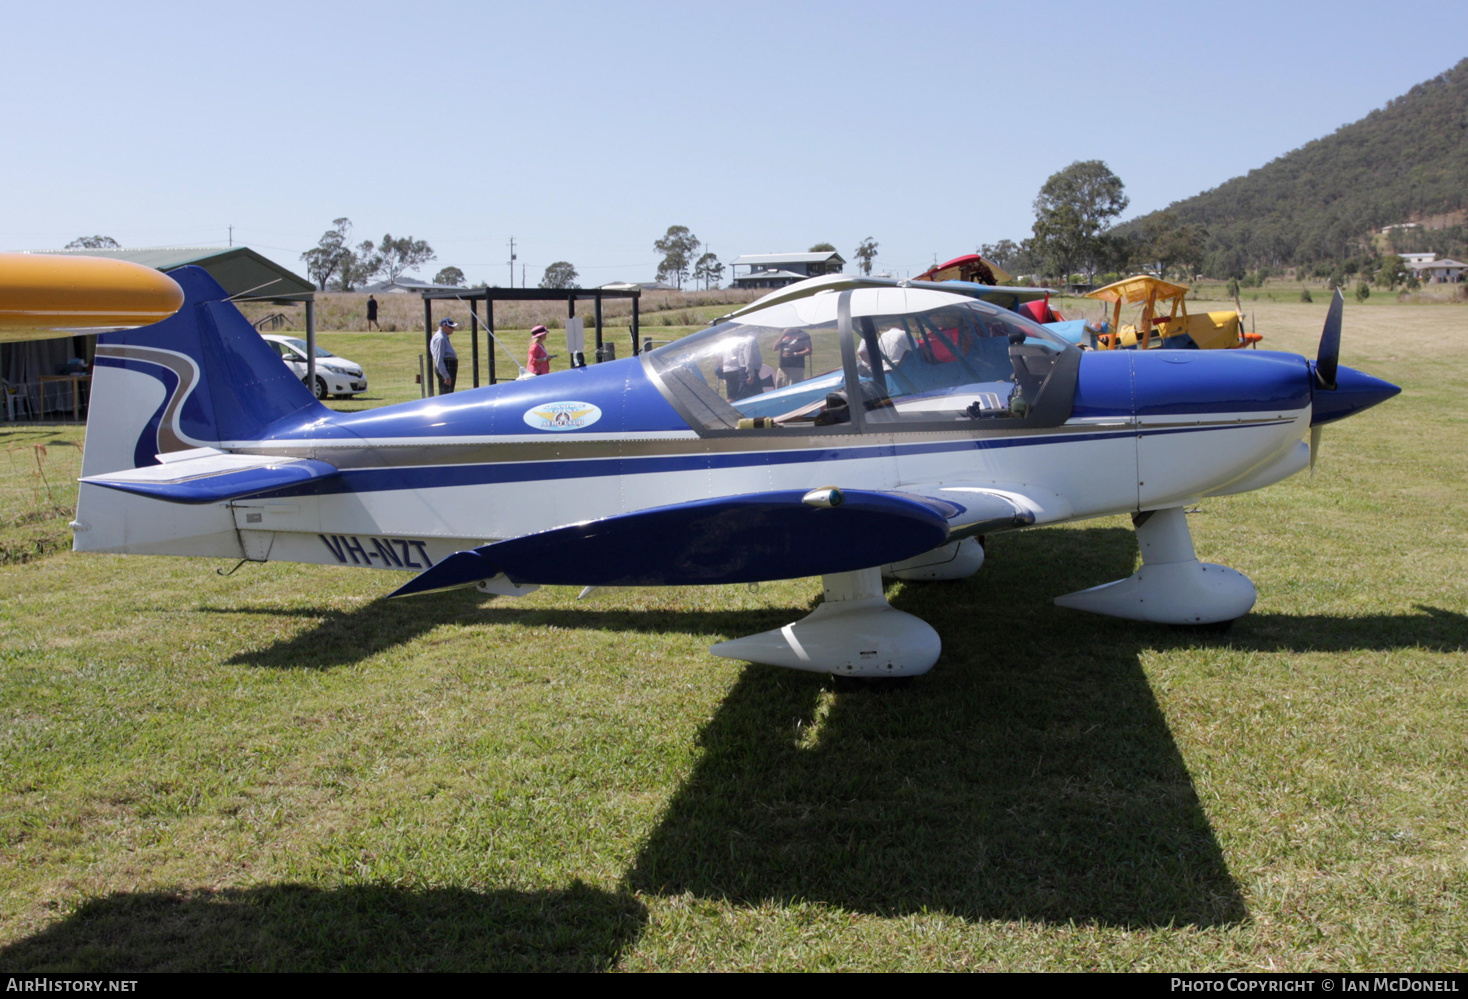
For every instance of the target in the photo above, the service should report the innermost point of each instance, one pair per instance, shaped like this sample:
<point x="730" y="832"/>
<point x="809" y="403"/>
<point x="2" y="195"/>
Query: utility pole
<point x="231" y="235"/>
<point x="512" y="261"/>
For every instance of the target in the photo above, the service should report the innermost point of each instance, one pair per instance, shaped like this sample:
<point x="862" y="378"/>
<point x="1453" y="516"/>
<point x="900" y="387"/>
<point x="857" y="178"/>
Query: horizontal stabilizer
<point x="210" y="476"/>
<point x="735" y="539"/>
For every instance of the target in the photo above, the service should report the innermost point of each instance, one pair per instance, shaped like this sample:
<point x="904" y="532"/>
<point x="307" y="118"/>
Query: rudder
<point x="202" y="378"/>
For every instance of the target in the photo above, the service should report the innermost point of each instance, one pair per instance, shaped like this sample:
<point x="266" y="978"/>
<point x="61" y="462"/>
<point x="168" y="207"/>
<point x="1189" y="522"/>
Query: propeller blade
<point x="1329" y="357"/>
<point x="1314" y="444"/>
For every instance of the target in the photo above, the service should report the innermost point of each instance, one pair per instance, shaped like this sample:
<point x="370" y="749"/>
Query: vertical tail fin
<point x="202" y="378"/>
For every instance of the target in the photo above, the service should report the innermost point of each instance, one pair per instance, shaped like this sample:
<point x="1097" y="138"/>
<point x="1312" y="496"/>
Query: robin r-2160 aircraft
<point x="904" y="424"/>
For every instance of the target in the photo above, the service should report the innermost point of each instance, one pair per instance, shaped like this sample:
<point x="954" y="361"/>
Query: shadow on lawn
<point x="343" y="637"/>
<point x="359" y="928"/>
<point x="1031" y="775"/>
<point x="1019" y="584"/>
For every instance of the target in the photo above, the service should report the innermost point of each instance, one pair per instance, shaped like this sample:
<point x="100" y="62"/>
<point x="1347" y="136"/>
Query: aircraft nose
<point x="1354" y="391"/>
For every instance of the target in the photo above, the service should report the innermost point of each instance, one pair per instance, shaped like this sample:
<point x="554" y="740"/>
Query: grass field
<point x="279" y="769"/>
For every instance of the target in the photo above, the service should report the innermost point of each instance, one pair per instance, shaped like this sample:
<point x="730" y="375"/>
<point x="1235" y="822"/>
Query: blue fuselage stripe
<point x="442" y="476"/>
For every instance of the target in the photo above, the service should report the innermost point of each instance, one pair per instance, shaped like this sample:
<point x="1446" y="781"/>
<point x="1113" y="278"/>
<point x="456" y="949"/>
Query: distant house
<point x="644" y="285"/>
<point x="1435" y="271"/>
<point x="403" y="285"/>
<point x="776" y="270"/>
<point x="1417" y="258"/>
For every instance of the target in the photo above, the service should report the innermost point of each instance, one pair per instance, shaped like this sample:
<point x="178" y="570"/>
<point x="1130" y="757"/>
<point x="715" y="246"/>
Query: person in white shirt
<point x="445" y="358"/>
<point x="894" y="345"/>
<point x="740" y="366"/>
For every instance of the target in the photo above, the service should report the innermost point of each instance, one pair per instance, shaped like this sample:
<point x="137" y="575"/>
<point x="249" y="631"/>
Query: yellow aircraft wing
<point x="44" y="295"/>
<point x="1137" y="288"/>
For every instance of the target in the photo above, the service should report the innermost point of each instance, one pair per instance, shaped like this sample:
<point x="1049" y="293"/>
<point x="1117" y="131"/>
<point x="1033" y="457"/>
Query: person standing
<point x="372" y="314"/>
<point x="445" y="358"/>
<point x="538" y="359"/>
<point x="793" y="347"/>
<point x="740" y="366"/>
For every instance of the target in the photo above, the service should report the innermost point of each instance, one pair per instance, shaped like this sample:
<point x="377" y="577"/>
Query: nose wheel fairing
<point x="1172" y="586"/>
<point x="854" y="632"/>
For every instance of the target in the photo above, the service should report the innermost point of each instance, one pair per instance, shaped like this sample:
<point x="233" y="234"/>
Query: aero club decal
<point x="562" y="416"/>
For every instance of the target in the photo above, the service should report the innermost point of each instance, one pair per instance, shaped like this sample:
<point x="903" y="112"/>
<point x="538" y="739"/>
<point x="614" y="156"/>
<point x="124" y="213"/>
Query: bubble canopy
<point x="944" y="361"/>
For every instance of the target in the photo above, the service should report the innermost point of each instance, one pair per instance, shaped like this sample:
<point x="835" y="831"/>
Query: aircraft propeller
<point x="1327" y="363"/>
<point x="1328" y="358"/>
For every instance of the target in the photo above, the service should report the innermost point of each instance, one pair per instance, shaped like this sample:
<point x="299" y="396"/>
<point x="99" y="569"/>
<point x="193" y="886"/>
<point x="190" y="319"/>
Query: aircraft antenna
<point x="242" y="294"/>
<point x="513" y="360"/>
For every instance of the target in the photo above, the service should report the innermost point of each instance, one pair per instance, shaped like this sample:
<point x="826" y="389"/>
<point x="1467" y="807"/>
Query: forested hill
<point x="1404" y="162"/>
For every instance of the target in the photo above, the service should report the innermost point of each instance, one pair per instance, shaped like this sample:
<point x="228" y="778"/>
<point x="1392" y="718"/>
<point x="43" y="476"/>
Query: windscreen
<point x="919" y="356"/>
<point x="301" y="346"/>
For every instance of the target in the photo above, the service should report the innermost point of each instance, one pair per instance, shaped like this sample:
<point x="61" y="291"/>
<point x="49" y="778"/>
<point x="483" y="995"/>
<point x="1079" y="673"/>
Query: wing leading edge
<point x="785" y="534"/>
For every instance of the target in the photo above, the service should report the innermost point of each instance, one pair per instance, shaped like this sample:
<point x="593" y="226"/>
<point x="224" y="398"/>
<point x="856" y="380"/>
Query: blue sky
<point x="584" y="130"/>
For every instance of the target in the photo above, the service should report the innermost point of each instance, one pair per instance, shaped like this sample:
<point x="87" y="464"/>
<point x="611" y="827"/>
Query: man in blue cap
<point x="445" y="358"/>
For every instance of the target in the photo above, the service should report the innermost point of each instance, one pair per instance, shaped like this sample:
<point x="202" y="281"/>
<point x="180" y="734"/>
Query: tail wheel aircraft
<point x="1164" y="320"/>
<point x="920" y="420"/>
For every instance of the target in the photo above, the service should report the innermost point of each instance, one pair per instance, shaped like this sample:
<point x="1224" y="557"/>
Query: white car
<point x="334" y="375"/>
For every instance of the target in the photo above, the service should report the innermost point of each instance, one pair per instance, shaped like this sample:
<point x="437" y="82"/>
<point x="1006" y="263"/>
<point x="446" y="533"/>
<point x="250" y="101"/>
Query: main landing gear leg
<point x="854" y="632"/>
<point x="1172" y="586"/>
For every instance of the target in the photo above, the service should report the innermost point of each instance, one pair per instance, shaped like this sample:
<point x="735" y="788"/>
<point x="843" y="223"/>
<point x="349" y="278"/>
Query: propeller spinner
<point x="1350" y="391"/>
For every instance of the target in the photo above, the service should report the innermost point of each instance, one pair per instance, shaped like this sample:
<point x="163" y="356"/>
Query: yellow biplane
<point x="1164" y="320"/>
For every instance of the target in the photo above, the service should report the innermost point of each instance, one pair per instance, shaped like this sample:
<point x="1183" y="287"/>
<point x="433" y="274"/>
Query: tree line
<point x="332" y="261"/>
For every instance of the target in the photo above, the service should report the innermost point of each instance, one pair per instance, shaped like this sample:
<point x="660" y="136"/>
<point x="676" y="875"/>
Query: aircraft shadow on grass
<point x="1027" y="570"/>
<point x="345" y="637"/>
<point x="290" y="927"/>
<point x="1032" y="775"/>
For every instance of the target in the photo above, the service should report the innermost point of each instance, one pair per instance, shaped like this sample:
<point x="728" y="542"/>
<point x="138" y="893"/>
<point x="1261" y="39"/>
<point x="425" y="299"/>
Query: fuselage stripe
<point x="362" y="480"/>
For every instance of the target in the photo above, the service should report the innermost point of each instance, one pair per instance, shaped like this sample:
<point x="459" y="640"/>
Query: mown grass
<point x="279" y="769"/>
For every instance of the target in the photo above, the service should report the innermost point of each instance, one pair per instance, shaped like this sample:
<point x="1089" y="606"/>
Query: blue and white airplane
<point x="907" y="423"/>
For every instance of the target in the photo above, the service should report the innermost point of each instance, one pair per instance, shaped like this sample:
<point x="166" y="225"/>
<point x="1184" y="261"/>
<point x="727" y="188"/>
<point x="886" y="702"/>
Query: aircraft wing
<point x="784" y="534"/>
<point x="207" y="475"/>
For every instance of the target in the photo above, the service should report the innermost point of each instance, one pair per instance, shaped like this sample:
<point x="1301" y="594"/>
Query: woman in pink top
<point x="539" y="360"/>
